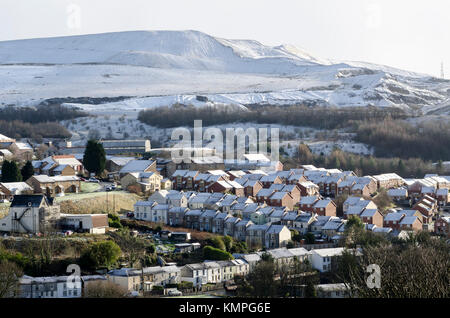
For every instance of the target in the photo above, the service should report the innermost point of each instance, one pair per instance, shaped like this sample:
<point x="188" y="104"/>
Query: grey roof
<point x="290" y="216"/>
<point x="120" y="161"/>
<point x="249" y="258"/>
<point x="251" y="207"/>
<point x="27" y="200"/>
<point x="244" y="223"/>
<point x="321" y="220"/>
<point x="299" y="251"/>
<point x="382" y="230"/>
<point x="258" y="227"/>
<point x="277" y="213"/>
<point x="277" y="186"/>
<point x="275" y="228"/>
<point x="408" y="220"/>
<point x="322" y="203"/>
<point x="393" y="216"/>
<point x="136" y="166"/>
<point x="264" y="193"/>
<point x="222" y="216"/>
<point x="266" y="210"/>
<point x="280" y="253"/>
<point x="209" y="214"/>
<point x="239" y="207"/>
<point x="232" y="219"/>
<point x="178" y="210"/>
<point x="354" y="210"/>
<point x="332" y="225"/>
<point x="194" y="213"/>
<point x="269" y="178"/>
<point x="278" y="195"/>
<point x="308" y="199"/>
<point x="303" y="217"/>
<point x="369" y="213"/>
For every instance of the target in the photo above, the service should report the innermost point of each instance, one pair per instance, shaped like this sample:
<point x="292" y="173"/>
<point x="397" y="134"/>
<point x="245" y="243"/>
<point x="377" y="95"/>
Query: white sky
<point x="408" y="34"/>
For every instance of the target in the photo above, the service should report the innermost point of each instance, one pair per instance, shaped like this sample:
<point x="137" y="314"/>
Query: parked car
<point x="94" y="180"/>
<point x="174" y="292"/>
<point x="130" y="215"/>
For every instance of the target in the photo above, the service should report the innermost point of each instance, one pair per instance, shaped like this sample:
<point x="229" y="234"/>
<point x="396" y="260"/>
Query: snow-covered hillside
<point x="157" y="68"/>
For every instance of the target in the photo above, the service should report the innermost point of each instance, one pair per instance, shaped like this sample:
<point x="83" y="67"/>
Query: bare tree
<point x="9" y="279"/>
<point x="104" y="289"/>
<point x="411" y="271"/>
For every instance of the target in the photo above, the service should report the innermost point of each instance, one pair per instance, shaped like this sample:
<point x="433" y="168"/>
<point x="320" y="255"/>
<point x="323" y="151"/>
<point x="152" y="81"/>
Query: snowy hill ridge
<point x="177" y="64"/>
<point x="160" y="49"/>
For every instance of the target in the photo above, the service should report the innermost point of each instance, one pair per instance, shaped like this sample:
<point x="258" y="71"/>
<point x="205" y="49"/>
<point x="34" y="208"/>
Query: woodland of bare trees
<point x="395" y="138"/>
<point x="414" y="271"/>
<point x="384" y="129"/>
<point x="267" y="279"/>
<point x="9" y="279"/>
<point x="18" y="129"/>
<point x="40" y="114"/>
<point x="297" y="115"/>
<point x="415" y="267"/>
<point x="104" y="289"/>
<point x="36" y="122"/>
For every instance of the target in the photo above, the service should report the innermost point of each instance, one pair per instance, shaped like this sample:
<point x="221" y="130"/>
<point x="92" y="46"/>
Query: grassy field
<point x="98" y="202"/>
<point x="87" y="187"/>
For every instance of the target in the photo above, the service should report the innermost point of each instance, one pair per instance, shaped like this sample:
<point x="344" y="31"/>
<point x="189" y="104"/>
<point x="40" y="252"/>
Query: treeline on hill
<point x="40" y="114"/>
<point x="18" y="129"/>
<point x="394" y="138"/>
<point x="384" y="129"/>
<point x="36" y="122"/>
<point x="296" y="115"/>
<point x="362" y="165"/>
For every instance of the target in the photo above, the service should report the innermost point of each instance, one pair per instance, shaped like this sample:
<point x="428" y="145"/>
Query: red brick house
<point x="227" y="187"/>
<point x="393" y="220"/>
<point x="307" y="203"/>
<point x="360" y="189"/>
<point x="308" y="188"/>
<point x="295" y="179"/>
<point x="442" y="196"/>
<point x="263" y="195"/>
<point x="204" y="180"/>
<point x="325" y="207"/>
<point x="252" y="187"/>
<point x="267" y="181"/>
<point x="372" y="216"/>
<point x="442" y="226"/>
<point x="282" y="199"/>
<point x="294" y="191"/>
<point x="331" y="185"/>
<point x="426" y="211"/>
<point x="411" y="223"/>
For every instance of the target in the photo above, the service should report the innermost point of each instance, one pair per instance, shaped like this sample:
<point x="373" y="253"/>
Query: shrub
<point x="101" y="254"/>
<point x="218" y="242"/>
<point x="114" y="221"/>
<point x="215" y="254"/>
